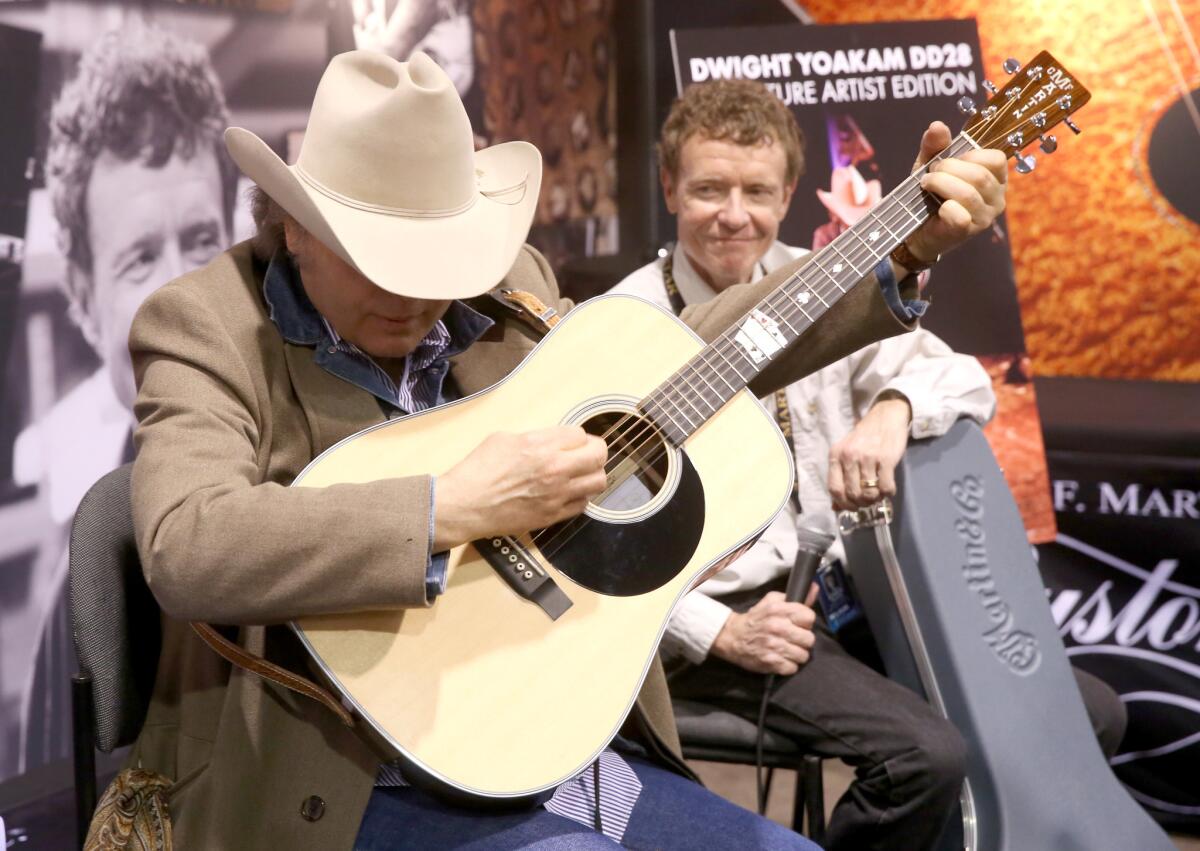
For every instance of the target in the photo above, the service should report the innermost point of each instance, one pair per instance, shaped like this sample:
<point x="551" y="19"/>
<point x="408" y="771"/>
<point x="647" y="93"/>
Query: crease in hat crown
<point x="389" y="137"/>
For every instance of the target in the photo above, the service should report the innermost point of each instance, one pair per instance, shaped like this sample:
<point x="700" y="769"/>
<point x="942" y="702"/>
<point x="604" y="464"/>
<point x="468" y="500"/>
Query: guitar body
<point x="484" y="694"/>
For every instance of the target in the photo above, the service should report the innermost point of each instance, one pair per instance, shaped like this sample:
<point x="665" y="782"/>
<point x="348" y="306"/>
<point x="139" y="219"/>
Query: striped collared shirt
<point x="414" y="392"/>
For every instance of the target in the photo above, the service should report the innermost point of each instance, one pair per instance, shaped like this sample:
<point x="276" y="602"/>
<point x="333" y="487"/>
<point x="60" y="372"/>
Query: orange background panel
<point x="1108" y="273"/>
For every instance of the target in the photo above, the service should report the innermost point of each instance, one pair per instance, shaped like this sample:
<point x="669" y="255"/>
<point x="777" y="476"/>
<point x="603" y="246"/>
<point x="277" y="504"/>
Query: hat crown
<point x="389" y="135"/>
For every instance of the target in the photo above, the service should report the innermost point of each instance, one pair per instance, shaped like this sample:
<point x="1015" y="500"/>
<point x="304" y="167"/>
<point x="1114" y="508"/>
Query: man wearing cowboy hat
<point x="731" y="155"/>
<point x="351" y="306"/>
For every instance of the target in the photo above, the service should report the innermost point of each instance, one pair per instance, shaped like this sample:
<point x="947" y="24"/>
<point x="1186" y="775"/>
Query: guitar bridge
<point x="522" y="572"/>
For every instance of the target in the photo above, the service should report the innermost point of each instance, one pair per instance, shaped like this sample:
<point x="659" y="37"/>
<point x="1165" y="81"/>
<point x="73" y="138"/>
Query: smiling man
<point x="731" y="157"/>
<point x="142" y="192"/>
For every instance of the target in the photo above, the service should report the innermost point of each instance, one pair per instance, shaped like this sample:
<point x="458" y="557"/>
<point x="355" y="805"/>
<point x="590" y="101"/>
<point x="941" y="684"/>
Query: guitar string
<point x="794" y="315"/>
<point x="902" y="195"/>
<point x="780" y="302"/>
<point x="646" y="431"/>
<point x="897" y="194"/>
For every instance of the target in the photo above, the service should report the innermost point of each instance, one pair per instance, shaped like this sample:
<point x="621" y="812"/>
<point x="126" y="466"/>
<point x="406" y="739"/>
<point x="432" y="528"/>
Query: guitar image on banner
<point x="525" y="669"/>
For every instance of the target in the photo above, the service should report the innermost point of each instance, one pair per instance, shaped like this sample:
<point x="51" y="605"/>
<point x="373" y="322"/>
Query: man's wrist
<point x="890" y="401"/>
<point x="914" y="255"/>
<point x="720" y="646"/>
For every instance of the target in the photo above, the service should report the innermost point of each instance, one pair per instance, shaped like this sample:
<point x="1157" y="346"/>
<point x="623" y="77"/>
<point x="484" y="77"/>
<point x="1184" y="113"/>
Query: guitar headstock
<point x="1037" y="98"/>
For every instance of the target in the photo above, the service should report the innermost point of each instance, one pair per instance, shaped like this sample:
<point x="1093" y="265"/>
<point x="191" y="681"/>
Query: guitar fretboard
<point x="685" y="401"/>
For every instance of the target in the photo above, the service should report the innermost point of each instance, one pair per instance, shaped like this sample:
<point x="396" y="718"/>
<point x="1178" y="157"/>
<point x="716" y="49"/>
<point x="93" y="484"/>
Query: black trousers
<point x="909" y="762"/>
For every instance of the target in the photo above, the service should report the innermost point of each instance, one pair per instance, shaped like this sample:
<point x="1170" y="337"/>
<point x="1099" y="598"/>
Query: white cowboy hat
<point x="388" y="179"/>
<point x="850" y="196"/>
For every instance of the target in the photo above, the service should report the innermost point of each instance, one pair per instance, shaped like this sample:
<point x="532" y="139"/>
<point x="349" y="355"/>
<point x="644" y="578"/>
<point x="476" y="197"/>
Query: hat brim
<point x="431" y="257"/>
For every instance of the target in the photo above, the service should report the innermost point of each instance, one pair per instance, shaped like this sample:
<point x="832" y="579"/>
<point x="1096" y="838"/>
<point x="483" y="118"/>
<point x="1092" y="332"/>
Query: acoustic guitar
<point x="524" y="670"/>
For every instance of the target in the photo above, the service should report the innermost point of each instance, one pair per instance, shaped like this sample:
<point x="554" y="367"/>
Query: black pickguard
<point x="625" y="559"/>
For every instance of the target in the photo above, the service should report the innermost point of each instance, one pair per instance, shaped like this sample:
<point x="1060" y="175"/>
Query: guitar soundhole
<point x="639" y="460"/>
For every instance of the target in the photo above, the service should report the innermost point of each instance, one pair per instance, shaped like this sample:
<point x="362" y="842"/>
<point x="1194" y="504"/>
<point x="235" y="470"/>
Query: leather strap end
<point x="259" y="666"/>
<point x="529" y="306"/>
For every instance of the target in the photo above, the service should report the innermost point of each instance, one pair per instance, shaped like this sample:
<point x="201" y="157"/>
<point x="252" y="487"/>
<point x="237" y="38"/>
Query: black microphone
<point x="814" y="535"/>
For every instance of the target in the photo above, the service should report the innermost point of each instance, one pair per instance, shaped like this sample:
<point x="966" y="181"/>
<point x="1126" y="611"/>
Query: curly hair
<point x="741" y="111"/>
<point x="269" y="218"/>
<point x="140" y="93"/>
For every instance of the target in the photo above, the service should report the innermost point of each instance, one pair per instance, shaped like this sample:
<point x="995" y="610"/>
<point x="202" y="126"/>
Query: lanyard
<point x="783" y="417"/>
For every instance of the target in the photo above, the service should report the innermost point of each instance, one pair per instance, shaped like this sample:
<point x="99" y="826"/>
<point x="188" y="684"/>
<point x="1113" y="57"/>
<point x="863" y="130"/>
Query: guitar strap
<point x="527" y="307"/>
<point x="522" y="305"/>
<point x="783" y="416"/>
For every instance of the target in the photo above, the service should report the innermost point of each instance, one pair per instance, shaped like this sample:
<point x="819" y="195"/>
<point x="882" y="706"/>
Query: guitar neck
<point x="685" y="401"/>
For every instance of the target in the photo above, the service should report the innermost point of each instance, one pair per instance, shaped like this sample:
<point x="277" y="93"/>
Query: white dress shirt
<point x="939" y="384"/>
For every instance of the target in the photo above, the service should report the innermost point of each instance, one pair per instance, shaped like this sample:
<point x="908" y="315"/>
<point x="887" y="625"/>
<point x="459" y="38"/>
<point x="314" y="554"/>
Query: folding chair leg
<point x="798" y="801"/>
<point x="814" y="798"/>
<point x="85" y="754"/>
<point x="767" y="790"/>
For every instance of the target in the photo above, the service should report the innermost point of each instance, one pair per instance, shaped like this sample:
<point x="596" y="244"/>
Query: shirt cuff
<point x="435" y="563"/>
<point x="694" y="626"/>
<point x="906" y="310"/>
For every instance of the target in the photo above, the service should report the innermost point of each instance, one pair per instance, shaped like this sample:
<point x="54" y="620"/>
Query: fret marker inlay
<point x="760" y="336"/>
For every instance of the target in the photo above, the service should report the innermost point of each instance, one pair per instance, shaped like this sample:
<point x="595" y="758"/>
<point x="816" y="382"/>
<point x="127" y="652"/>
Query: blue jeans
<point x="672" y="814"/>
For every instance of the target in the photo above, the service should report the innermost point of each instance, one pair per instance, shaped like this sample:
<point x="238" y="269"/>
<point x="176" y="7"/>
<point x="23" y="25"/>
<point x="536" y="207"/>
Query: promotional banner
<point x="863" y="95"/>
<point x="114" y="180"/>
<point x="1124" y="585"/>
<point x="116" y="130"/>
<point x="1106" y="232"/>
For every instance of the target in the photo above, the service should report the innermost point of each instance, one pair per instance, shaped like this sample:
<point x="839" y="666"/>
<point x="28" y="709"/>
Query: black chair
<point x="713" y="735"/>
<point x="117" y="630"/>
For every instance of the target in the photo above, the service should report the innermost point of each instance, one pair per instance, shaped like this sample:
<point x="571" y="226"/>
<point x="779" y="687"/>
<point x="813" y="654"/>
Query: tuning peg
<point x="1011" y="66"/>
<point x="1026" y="163"/>
<point x="990" y="86"/>
<point x="1049" y="144"/>
<point x="1072" y="125"/>
<point x="966" y="106"/>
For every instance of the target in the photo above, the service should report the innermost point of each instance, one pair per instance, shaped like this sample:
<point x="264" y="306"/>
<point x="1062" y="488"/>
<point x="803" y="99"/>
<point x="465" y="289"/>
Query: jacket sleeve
<point x="940" y="384"/>
<point x="220" y="542"/>
<point x="860" y="317"/>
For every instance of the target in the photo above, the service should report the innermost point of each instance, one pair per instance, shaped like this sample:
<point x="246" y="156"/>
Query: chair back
<point x="115" y="619"/>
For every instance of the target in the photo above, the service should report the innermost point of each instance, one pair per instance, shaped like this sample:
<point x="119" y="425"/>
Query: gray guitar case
<point x="951" y="591"/>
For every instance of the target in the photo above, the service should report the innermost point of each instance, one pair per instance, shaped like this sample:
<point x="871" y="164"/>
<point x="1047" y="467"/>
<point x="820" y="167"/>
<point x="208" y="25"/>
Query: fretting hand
<point x="972" y="189"/>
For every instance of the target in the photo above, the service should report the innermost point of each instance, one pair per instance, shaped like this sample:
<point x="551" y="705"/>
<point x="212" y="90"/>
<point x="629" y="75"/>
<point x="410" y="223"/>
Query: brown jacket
<point x="228" y="415"/>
